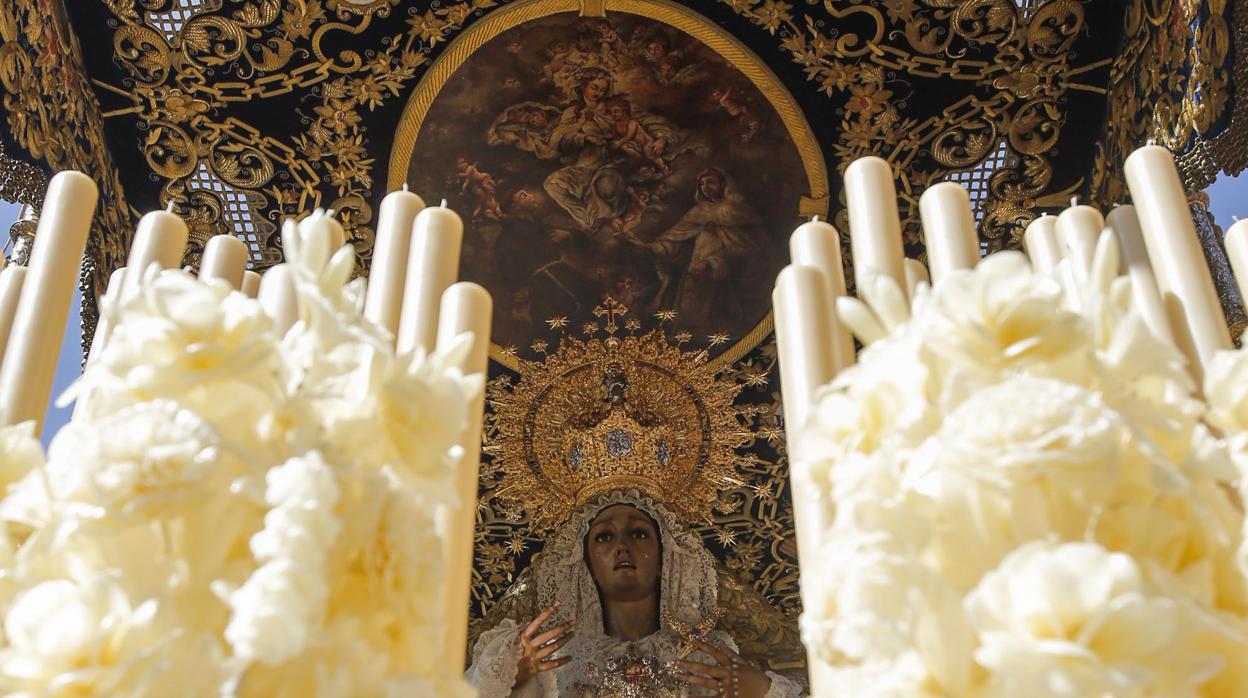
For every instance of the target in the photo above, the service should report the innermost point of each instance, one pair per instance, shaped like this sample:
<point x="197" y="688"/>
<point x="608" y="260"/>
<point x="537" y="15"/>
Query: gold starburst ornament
<point x="617" y="413"/>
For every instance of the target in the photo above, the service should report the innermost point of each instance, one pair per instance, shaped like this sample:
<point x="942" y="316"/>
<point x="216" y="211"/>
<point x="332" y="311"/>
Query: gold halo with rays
<point x="620" y="412"/>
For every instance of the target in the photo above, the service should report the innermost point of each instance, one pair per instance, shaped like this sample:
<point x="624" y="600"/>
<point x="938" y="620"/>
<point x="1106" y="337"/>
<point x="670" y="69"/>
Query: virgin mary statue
<point x="619" y="583"/>
<point x="629" y="594"/>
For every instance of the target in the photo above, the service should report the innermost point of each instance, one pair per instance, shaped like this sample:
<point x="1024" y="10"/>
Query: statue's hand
<point x="538" y="646"/>
<point x="729" y="676"/>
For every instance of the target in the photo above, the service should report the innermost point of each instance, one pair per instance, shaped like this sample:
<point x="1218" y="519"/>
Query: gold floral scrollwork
<point x="985" y="21"/>
<point x="1054" y="28"/>
<point x="241" y="165"/>
<point x="345" y="8"/>
<point x="1017" y="60"/>
<point x="965" y="145"/>
<point x="169" y="150"/>
<point x="210" y="40"/>
<point x="143" y="52"/>
<point x="1034" y="129"/>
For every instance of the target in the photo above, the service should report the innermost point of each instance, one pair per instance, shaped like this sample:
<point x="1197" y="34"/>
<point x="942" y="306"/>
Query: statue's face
<point x="624" y="554"/>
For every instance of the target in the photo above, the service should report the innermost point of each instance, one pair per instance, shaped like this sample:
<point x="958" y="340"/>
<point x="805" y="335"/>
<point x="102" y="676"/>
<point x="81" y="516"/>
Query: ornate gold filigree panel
<point x="186" y="83"/>
<point x="1181" y="79"/>
<point x="1015" y="68"/>
<point x="52" y="116"/>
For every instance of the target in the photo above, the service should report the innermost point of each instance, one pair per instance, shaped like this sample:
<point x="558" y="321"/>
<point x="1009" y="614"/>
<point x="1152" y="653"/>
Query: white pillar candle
<point x="1187" y="289"/>
<point x="39" y="321"/>
<point x="225" y="257"/>
<point x="1236" y="241"/>
<point x="432" y="266"/>
<point x="874" y="224"/>
<point x="802" y="310"/>
<point x="948" y="229"/>
<point x="465" y="307"/>
<point x="818" y="244"/>
<point x="1041" y="245"/>
<point x="11" y="279"/>
<point x="104" y="323"/>
<point x="1078" y="229"/>
<point x="160" y="238"/>
<point x="277" y="297"/>
<point x="1144" y="294"/>
<point x="384" y="298"/>
<point x="251" y="284"/>
<point x="103" y="328"/>
<point x="916" y="274"/>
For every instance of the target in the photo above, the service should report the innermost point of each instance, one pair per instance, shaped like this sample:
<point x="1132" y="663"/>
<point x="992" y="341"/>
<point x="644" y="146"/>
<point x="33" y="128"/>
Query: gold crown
<point x="618" y="413"/>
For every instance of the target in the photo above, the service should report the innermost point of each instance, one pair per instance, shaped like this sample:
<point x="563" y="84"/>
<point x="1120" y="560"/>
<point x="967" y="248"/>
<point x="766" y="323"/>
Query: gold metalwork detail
<point x="593" y="8"/>
<point x="52" y="114"/>
<point x="631" y="412"/>
<point x="179" y="90"/>
<point x="1171" y="83"/>
<point x="1030" y="71"/>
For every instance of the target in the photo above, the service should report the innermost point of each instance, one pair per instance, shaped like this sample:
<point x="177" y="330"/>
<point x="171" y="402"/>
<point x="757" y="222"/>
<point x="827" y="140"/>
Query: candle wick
<point x="443" y="203"/>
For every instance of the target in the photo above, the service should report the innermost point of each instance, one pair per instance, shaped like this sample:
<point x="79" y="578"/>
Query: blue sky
<point x="1228" y="198"/>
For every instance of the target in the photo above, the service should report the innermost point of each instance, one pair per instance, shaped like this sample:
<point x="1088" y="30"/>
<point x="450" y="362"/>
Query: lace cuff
<point x="782" y="687"/>
<point x="495" y="660"/>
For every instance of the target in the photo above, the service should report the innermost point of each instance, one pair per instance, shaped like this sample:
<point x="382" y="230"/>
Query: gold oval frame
<point x="664" y="11"/>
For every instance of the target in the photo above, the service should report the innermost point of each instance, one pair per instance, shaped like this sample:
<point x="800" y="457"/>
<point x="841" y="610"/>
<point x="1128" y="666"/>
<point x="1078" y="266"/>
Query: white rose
<point x="882" y="401"/>
<point x="20" y="453"/>
<point x="68" y="638"/>
<point x="393" y="571"/>
<point x="147" y="449"/>
<point x="1028" y="428"/>
<point x="276" y="612"/>
<point x="1077" y="620"/>
<point x="201" y="344"/>
<point x="307" y="478"/>
<point x="1001" y="319"/>
<point x="407" y="412"/>
<point x="873" y="608"/>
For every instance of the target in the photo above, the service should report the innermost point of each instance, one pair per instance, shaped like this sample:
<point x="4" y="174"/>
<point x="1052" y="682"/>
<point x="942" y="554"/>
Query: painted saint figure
<point x="713" y="246"/>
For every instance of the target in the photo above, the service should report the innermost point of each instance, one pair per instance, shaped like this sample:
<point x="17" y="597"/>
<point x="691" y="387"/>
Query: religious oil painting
<point x="616" y="156"/>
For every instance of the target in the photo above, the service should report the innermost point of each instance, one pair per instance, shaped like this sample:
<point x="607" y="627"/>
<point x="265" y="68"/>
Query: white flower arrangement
<point x="232" y="512"/>
<point x="1027" y="499"/>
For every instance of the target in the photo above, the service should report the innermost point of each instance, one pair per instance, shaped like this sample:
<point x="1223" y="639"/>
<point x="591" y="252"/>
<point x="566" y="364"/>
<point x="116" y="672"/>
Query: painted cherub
<point x="631" y="137"/>
<point x="481" y="186"/>
<point x="723" y="98"/>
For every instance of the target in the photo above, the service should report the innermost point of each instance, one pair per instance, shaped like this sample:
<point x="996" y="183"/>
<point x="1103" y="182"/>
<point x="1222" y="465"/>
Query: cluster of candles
<point x="1170" y="280"/>
<point x="412" y="292"/>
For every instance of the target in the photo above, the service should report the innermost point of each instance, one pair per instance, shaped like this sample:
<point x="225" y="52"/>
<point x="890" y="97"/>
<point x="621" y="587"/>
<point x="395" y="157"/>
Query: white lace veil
<point x="688" y="588"/>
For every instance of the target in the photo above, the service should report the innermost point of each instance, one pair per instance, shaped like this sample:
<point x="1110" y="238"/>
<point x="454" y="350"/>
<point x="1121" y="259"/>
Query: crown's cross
<point x="610" y="308"/>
